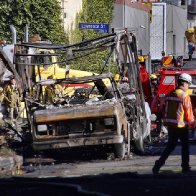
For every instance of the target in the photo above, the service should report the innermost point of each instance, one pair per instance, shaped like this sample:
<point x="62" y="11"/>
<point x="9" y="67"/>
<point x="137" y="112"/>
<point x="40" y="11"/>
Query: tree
<point x="43" y="18"/>
<point x="93" y="11"/>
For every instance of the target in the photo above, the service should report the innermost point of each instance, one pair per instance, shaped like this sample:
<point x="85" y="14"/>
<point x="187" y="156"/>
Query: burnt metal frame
<point x="94" y="45"/>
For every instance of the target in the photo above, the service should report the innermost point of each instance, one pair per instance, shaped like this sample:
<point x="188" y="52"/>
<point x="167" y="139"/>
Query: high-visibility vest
<point x="178" y="110"/>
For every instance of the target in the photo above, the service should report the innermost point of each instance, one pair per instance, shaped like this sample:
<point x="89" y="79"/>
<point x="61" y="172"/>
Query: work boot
<point x="186" y="170"/>
<point x="156" y="168"/>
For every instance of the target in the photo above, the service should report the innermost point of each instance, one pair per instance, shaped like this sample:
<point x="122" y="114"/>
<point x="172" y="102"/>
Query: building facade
<point x="135" y="17"/>
<point x="69" y="10"/>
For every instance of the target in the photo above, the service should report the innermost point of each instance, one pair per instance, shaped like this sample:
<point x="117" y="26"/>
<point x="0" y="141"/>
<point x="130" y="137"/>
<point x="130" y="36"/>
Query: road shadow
<point x="128" y="183"/>
<point x="166" y="184"/>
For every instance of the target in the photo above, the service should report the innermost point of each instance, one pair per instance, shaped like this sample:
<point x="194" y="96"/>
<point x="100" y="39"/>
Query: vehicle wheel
<point x="120" y="150"/>
<point x="139" y="145"/>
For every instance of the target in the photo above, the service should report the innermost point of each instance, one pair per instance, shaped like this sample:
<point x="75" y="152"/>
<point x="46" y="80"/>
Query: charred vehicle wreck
<point x="93" y="110"/>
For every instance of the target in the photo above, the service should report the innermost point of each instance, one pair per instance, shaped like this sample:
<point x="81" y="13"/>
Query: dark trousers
<point x="173" y="135"/>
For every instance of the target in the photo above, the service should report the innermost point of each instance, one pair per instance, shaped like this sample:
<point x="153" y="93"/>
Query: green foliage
<point x="42" y="16"/>
<point x="93" y="11"/>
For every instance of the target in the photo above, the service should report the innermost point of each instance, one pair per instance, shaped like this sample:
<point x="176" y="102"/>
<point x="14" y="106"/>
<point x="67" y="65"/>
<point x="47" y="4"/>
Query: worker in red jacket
<point x="178" y="117"/>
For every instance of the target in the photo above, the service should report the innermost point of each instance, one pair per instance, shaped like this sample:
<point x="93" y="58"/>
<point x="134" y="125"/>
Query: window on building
<point x="65" y="15"/>
<point x="183" y="2"/>
<point x="191" y="10"/>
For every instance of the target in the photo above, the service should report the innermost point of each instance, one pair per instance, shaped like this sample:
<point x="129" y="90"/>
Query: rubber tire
<point x="120" y="150"/>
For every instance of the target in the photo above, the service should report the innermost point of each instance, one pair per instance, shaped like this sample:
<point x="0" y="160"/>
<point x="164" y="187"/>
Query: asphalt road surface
<point x="132" y="176"/>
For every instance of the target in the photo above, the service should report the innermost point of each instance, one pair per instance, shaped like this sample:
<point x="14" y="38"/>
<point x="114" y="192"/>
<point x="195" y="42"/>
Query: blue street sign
<point x="102" y="31"/>
<point x="101" y="28"/>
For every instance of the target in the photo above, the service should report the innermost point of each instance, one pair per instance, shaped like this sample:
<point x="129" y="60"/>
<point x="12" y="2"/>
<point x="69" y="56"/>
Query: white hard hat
<point x="185" y="77"/>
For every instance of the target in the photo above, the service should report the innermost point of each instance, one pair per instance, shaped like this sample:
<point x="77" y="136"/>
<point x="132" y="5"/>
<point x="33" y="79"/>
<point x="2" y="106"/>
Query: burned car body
<point x="82" y="119"/>
<point x="94" y="110"/>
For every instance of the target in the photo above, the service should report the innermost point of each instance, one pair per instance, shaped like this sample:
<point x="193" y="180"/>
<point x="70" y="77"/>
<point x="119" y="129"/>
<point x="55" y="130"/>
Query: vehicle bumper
<point x="77" y="142"/>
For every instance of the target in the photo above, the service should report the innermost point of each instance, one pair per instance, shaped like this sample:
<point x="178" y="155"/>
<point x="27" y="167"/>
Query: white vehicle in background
<point x="167" y="37"/>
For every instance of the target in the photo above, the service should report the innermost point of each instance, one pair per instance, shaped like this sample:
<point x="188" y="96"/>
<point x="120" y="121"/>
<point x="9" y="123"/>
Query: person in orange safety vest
<point x="178" y="117"/>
